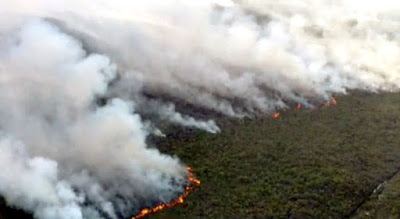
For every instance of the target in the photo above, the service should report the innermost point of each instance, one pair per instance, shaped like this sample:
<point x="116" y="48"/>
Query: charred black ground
<point x="308" y="163"/>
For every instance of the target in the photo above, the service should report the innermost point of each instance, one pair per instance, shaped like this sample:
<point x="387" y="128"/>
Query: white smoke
<point x="62" y="156"/>
<point x="239" y="58"/>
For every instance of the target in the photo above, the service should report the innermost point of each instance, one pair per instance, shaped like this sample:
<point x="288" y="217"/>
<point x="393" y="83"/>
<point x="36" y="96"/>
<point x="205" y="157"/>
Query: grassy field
<point x="322" y="163"/>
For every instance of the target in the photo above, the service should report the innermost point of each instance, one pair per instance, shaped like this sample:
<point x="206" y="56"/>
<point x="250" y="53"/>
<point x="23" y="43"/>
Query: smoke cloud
<point x="61" y="155"/>
<point x="64" y="155"/>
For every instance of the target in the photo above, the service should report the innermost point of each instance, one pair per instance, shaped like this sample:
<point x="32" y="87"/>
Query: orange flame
<point x="276" y="115"/>
<point x="298" y="106"/>
<point x="333" y="101"/>
<point x="180" y="200"/>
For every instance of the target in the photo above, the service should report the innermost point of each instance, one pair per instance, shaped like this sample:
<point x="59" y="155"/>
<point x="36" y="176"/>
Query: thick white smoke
<point x="61" y="156"/>
<point x="239" y="58"/>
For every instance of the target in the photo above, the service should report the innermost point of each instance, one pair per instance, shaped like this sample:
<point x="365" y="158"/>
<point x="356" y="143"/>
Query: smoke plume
<point x="65" y="155"/>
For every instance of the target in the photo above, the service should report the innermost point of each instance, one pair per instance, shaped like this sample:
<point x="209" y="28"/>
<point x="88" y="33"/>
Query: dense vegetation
<point x="322" y="163"/>
<point x="308" y="163"/>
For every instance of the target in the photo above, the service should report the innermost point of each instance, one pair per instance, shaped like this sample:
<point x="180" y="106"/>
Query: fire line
<point x="195" y="182"/>
<point x="180" y="200"/>
<point x="331" y="102"/>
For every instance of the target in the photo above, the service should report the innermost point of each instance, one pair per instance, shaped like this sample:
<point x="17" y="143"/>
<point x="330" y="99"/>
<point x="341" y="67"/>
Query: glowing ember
<point x="180" y="200"/>
<point x="276" y="115"/>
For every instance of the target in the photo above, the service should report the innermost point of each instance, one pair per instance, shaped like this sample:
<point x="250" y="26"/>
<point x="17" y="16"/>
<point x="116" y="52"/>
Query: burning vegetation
<point x="193" y="183"/>
<point x="276" y="115"/>
<point x="331" y="102"/>
<point x="238" y="59"/>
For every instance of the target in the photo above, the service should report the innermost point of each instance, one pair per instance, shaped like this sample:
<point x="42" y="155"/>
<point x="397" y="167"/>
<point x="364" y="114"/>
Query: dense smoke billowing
<point x="61" y="155"/>
<point x="64" y="155"/>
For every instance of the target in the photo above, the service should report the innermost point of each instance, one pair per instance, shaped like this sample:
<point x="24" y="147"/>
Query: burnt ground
<point x="323" y="163"/>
